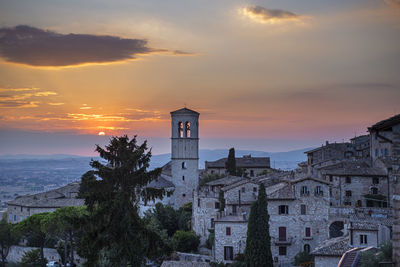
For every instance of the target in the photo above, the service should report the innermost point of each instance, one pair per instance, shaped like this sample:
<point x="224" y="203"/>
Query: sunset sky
<point x="264" y="75"/>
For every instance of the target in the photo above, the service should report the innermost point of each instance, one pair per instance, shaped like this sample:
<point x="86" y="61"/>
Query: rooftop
<point x="184" y="111"/>
<point x="333" y="247"/>
<point x="226" y="180"/>
<point x="161" y="183"/>
<point x="56" y="198"/>
<point x="385" y="124"/>
<point x="244" y="162"/>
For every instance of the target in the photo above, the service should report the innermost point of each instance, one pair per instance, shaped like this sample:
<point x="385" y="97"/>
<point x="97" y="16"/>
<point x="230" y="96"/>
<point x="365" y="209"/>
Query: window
<point x="376" y="152"/>
<point x="363" y="239"/>
<point x="386" y="152"/>
<point x="282" y="251"/>
<point x="15" y="218"/>
<point x="303" y="209"/>
<point x="228" y="231"/>
<point x="348" y="180"/>
<point x="308" y="231"/>
<point x="304" y="191"/>
<point x="318" y="191"/>
<point x="183" y="177"/>
<point x="183" y="165"/>
<point x="375" y="180"/>
<point x="283" y="209"/>
<point x="228" y="253"/>
<point x="348" y="193"/>
<point x="216" y="205"/>
<point x="184" y="195"/>
<point x="21" y="208"/>
<point x="282" y="233"/>
<point x="307" y="248"/>
<point x="347" y="203"/>
<point x="198" y="202"/>
<point x="10" y="217"/>
<point x="330" y="178"/>
<point x="251" y="173"/>
<point x="254" y="189"/>
<point x="243" y="189"/>
<point x="21" y="218"/>
<point x="212" y="223"/>
<point x="374" y="190"/>
<point x="180" y="129"/>
<point x="187" y="129"/>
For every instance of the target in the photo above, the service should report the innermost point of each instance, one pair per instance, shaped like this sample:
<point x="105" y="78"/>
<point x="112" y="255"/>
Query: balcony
<point x="307" y="238"/>
<point x="304" y="193"/>
<point x="282" y="242"/>
<point x="319" y="193"/>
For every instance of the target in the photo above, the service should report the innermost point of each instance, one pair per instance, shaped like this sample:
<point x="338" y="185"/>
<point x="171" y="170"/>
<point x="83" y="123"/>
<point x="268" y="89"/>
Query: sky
<point x="264" y="75"/>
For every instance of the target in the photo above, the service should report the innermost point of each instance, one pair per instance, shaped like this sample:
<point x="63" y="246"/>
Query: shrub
<point x="185" y="241"/>
<point x="32" y="258"/>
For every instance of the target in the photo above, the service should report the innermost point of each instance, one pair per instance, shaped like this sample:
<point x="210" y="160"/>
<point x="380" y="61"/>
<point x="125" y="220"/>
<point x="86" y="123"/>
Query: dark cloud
<point x="271" y="14"/>
<point x="37" y="47"/>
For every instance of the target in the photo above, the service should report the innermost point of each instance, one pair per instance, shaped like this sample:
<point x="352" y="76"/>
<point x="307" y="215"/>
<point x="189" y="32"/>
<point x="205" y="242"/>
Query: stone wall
<point x="326" y="261"/>
<point x="396" y="195"/>
<point x="203" y="211"/>
<point x="18" y="213"/>
<point x="237" y="238"/>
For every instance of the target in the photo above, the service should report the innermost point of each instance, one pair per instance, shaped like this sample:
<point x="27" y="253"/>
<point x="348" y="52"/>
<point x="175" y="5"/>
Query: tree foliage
<point x="113" y="224"/>
<point x="32" y="258"/>
<point x="33" y="227"/>
<point x="258" y="242"/>
<point x="303" y="258"/>
<point x="221" y="200"/>
<point x="231" y="162"/>
<point x="8" y="237"/>
<point x="185" y="241"/>
<point x="384" y="254"/>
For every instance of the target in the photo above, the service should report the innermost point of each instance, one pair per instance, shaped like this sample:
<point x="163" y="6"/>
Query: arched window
<point x="374" y="190"/>
<point x="183" y="165"/>
<point x="187" y="129"/>
<point x="180" y="129"/>
<point x="307" y="248"/>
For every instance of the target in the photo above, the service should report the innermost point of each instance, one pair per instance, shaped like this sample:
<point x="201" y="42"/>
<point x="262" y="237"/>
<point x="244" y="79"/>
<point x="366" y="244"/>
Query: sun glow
<point x="101" y="133"/>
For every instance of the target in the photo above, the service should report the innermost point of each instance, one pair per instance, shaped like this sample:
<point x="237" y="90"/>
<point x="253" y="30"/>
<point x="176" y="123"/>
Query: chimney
<point x="327" y="143"/>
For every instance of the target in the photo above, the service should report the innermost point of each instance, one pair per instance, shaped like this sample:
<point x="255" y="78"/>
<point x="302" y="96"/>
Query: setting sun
<point x="101" y="133"/>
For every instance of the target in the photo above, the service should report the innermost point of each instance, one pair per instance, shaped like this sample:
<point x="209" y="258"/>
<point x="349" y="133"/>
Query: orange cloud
<point x="270" y="16"/>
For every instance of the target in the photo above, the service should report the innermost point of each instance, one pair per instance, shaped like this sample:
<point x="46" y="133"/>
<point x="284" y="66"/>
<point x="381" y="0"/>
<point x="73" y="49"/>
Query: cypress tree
<point x="231" y="163"/>
<point x="258" y="242"/>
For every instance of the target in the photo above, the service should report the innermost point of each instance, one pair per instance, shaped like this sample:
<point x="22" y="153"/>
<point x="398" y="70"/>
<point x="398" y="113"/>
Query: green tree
<point x="65" y="224"/>
<point x="33" y="227"/>
<point x="258" y="242"/>
<point x="231" y="162"/>
<point x="32" y="258"/>
<point x="8" y="237"/>
<point x="113" y="224"/>
<point x="185" y="241"/>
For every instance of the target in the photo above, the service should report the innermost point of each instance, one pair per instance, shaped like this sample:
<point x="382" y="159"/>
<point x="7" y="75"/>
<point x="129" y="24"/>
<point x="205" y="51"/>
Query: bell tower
<point x="184" y="154"/>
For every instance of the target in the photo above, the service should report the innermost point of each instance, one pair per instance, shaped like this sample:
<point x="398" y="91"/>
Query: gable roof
<point x="225" y="181"/>
<point x="281" y="191"/>
<point x="161" y="183"/>
<point x="240" y="182"/>
<point x="310" y="178"/>
<point x="243" y="162"/>
<point x="385" y="124"/>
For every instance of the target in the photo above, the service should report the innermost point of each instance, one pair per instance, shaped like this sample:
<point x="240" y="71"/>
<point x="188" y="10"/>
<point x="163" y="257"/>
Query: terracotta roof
<point x="333" y="247"/>
<point x="336" y="146"/>
<point x="185" y="111"/>
<point x="244" y="162"/>
<point x="367" y="226"/>
<point x="56" y="198"/>
<point x="237" y="183"/>
<point x="280" y="191"/>
<point x="385" y="124"/>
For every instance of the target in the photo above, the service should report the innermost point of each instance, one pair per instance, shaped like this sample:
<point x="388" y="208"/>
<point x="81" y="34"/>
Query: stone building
<point x="298" y="211"/>
<point x="381" y="137"/>
<point x="361" y="146"/>
<point x="25" y="206"/>
<point x="253" y="166"/>
<point x="329" y="252"/>
<point x="395" y="177"/>
<point x="328" y="154"/>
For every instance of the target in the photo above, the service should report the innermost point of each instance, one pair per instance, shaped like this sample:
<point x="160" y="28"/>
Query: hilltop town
<point x="335" y="206"/>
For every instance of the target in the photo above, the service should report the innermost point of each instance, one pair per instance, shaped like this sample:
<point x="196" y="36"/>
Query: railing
<point x="319" y="193"/>
<point x="280" y="241"/>
<point x="304" y="194"/>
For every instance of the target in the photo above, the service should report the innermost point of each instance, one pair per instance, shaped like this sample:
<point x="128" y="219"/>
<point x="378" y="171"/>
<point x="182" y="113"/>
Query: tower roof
<point x="184" y="111"/>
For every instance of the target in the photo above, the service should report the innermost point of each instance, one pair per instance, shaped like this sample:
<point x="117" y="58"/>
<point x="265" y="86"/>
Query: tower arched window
<point x="183" y="165"/>
<point x="307" y="248"/>
<point x="187" y="129"/>
<point x="180" y="129"/>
